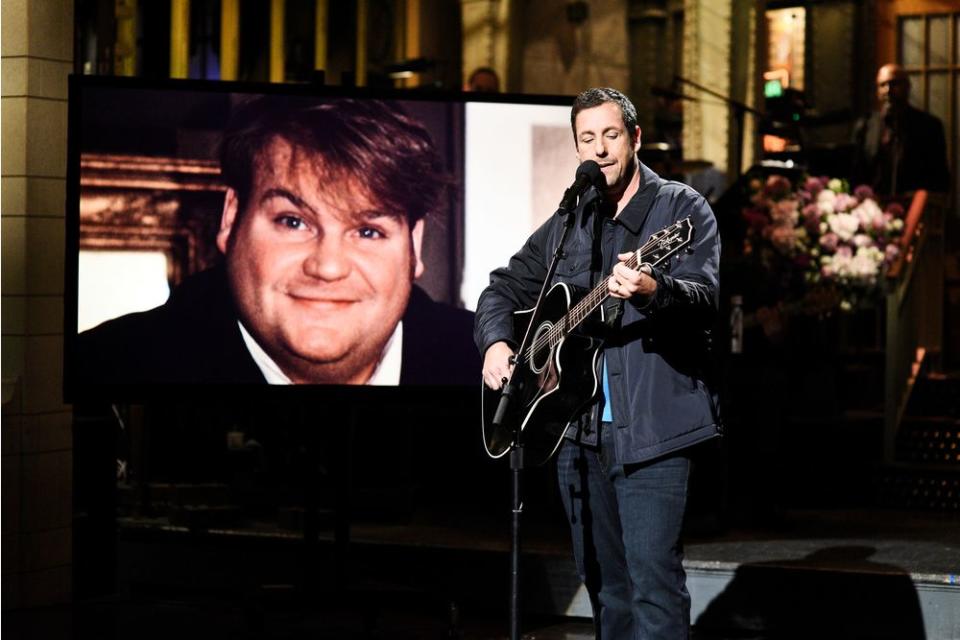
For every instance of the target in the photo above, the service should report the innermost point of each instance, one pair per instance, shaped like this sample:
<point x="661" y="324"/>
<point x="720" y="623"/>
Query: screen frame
<point x="76" y="390"/>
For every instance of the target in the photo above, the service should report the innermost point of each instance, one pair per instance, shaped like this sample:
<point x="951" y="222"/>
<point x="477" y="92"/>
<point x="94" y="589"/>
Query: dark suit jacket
<point x="194" y="338"/>
<point x="919" y="152"/>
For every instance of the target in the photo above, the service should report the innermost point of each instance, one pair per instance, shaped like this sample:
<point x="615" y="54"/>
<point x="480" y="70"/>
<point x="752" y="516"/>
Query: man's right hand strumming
<point x="497" y="365"/>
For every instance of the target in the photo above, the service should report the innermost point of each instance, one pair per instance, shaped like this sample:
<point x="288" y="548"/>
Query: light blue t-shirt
<point x="607" y="405"/>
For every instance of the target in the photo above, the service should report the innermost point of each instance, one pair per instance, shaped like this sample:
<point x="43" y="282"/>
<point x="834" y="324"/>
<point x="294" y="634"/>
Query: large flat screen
<point x="232" y="235"/>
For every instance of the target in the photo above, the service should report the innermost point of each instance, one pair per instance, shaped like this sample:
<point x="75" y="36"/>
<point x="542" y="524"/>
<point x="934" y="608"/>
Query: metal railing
<point x="914" y="332"/>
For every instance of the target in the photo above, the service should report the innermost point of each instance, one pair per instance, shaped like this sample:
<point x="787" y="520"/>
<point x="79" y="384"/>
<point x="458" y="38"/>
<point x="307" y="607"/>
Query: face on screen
<point x="603" y="138"/>
<point x="321" y="277"/>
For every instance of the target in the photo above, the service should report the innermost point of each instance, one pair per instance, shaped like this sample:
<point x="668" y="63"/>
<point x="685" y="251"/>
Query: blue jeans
<point x="625" y="522"/>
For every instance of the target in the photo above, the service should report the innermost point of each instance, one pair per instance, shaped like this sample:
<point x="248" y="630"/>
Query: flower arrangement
<point x="820" y="236"/>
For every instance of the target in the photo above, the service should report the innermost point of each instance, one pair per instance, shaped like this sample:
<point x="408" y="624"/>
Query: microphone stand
<point x="566" y="210"/>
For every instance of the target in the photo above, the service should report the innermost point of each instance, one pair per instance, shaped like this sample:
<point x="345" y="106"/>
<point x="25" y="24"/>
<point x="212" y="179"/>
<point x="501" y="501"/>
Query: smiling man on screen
<point x="322" y="236"/>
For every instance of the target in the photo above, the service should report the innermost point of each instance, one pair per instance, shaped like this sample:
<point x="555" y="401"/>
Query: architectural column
<point x="125" y="52"/>
<point x="37" y="53"/>
<point x="321" y="27"/>
<point x="179" y="38"/>
<point x="567" y="51"/>
<point x="229" y="39"/>
<point x="706" y="61"/>
<point x="360" y="73"/>
<point x="746" y="84"/>
<point x="487" y="38"/>
<point x="650" y="58"/>
<point x="277" y="40"/>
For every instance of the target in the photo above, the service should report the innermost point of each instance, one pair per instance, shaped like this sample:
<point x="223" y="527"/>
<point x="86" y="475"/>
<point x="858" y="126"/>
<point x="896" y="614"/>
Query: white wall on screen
<point x="114" y="283"/>
<point x="502" y="185"/>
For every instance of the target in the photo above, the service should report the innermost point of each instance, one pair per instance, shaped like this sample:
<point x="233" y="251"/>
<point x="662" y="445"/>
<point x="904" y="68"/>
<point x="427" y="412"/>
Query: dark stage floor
<point x="444" y="575"/>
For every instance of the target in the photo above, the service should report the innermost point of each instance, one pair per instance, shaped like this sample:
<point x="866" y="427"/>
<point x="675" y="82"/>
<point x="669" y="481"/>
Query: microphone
<point x="588" y="174"/>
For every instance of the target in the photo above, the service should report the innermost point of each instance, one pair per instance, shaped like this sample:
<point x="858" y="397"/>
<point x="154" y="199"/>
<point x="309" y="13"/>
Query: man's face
<point x="320" y="279"/>
<point x="893" y="87"/>
<point x="602" y="137"/>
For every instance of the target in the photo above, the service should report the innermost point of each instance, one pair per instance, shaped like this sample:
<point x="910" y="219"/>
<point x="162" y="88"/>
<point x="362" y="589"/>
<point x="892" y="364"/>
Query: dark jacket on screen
<point x="194" y="338"/>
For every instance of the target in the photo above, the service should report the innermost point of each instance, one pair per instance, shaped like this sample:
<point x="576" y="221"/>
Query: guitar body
<point x="551" y="389"/>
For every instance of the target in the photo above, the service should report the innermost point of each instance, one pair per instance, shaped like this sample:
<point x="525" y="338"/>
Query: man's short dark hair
<point x="372" y="141"/>
<point x="602" y="95"/>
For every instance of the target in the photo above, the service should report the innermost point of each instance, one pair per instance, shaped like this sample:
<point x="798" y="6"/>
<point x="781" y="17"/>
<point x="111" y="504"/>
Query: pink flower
<point x="844" y="202"/>
<point x="785" y="211"/>
<point x="891" y="252"/>
<point x="783" y="238"/>
<point x="863" y="192"/>
<point x="777" y="186"/>
<point x="813" y="185"/>
<point x="829" y="241"/>
<point x="895" y="209"/>
<point x="756" y="218"/>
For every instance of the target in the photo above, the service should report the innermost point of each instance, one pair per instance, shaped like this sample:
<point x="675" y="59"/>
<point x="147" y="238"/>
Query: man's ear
<point x="227" y="219"/>
<point x="416" y="235"/>
<point x="636" y="140"/>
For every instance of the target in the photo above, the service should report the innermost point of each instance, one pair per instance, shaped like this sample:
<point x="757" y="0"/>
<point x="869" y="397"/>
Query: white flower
<point x="897" y="224"/>
<point x="869" y="213"/>
<point x="844" y="225"/>
<point x="825" y="200"/>
<point x="844" y="202"/>
<point x="863" y="265"/>
<point x="835" y="185"/>
<point x="861" y="240"/>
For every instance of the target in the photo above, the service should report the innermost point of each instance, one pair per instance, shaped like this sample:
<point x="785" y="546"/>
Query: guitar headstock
<point x="666" y="242"/>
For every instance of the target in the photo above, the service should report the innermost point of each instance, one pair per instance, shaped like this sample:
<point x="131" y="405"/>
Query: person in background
<point x="899" y="148"/>
<point x="483" y="80"/>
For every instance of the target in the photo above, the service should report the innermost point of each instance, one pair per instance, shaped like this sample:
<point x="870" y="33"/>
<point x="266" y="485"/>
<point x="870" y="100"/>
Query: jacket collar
<point x="635" y="213"/>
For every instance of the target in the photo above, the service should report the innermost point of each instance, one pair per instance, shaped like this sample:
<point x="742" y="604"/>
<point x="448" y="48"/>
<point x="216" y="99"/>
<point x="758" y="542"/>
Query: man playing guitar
<point x="624" y="461"/>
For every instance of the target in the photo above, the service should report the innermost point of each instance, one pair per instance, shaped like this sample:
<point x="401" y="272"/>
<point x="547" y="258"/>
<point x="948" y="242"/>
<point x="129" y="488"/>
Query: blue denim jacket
<point x="658" y="351"/>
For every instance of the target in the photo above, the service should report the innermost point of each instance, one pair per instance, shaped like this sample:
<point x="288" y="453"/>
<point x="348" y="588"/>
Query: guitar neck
<point x="659" y="247"/>
<point x="587" y="305"/>
<point x="579" y="312"/>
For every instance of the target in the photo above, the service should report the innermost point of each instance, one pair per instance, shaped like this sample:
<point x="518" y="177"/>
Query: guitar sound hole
<point x="540" y="351"/>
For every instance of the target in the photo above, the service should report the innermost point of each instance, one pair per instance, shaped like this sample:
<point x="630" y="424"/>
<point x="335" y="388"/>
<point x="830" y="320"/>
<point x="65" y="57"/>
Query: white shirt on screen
<point x="386" y="373"/>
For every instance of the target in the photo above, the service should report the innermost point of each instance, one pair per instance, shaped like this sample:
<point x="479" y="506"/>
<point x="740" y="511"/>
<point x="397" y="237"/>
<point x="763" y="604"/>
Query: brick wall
<point x="37" y="53"/>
